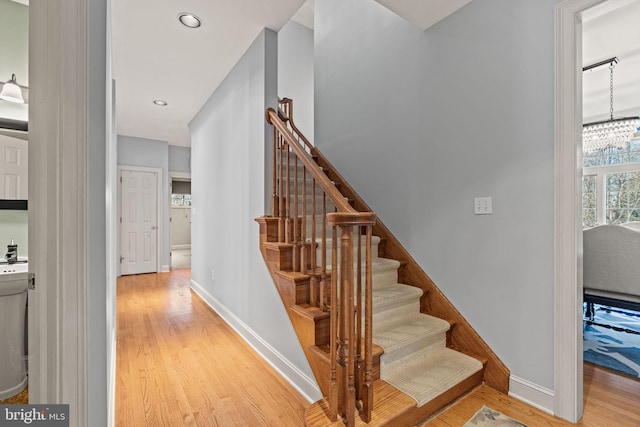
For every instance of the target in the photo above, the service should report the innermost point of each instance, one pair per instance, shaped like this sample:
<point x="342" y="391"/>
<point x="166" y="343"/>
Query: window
<point x="611" y="186"/>
<point x="623" y="197"/>
<point x="181" y="200"/>
<point x="589" y="218"/>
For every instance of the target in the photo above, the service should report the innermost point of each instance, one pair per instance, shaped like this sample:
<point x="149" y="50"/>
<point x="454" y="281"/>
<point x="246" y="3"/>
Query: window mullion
<point x="601" y="198"/>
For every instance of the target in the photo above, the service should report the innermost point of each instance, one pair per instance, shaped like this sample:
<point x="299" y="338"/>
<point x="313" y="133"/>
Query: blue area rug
<point x="617" y="346"/>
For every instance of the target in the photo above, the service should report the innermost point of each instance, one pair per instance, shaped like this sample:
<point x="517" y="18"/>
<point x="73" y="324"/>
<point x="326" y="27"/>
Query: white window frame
<point x="601" y="185"/>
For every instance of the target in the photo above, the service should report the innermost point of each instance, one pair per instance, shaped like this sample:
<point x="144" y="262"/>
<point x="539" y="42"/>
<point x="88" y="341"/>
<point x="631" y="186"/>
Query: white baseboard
<point x="305" y="385"/>
<point x="533" y="394"/>
<point x="165" y="268"/>
<point x="111" y="384"/>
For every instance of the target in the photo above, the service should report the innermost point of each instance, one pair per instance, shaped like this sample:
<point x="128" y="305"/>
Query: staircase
<point x="385" y="345"/>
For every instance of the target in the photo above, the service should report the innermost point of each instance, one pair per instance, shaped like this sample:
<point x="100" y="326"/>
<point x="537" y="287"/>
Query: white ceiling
<point x="155" y="57"/>
<point x="612" y="30"/>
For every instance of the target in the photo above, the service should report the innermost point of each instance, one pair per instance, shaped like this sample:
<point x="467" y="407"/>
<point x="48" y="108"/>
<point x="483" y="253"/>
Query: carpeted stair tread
<point x="379" y="265"/>
<point x="391" y="295"/>
<point x="407" y="336"/>
<point x="430" y="374"/>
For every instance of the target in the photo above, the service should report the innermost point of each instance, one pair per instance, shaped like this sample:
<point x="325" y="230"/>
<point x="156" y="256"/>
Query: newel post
<point x="351" y="367"/>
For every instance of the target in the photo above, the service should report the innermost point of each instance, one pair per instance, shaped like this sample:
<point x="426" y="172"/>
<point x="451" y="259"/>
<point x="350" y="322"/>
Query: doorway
<point x="180" y="221"/>
<point x="139" y="224"/>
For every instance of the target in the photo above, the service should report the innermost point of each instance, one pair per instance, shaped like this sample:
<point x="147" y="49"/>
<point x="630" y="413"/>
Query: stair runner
<point x="416" y="359"/>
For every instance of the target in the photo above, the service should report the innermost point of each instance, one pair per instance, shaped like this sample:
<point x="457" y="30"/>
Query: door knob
<point x="153" y="227"/>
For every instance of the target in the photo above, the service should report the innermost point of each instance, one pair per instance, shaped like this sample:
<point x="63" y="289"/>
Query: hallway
<point x="178" y="363"/>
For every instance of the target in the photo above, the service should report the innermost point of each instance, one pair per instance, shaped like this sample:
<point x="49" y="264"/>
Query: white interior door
<point x="139" y="222"/>
<point x="13" y="168"/>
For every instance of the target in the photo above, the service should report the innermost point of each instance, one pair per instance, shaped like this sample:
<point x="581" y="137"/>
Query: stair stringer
<point x="462" y="337"/>
<point x="311" y="325"/>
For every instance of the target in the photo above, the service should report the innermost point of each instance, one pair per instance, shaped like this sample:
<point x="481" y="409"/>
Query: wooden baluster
<point x="346" y="350"/>
<point x="323" y="254"/>
<point x="296" y="224"/>
<point x="281" y="200"/>
<point x="367" y="393"/>
<point x="315" y="281"/>
<point x="303" y="225"/>
<point x="288" y="198"/>
<point x="333" y="333"/>
<point x="348" y="333"/>
<point x="274" y="177"/>
<point x="358" y="330"/>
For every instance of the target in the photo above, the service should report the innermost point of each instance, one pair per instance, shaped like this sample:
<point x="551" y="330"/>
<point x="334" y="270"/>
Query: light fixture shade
<point x="11" y="91"/>
<point x="609" y="133"/>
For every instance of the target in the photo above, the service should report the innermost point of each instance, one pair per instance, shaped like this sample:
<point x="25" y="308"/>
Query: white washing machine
<point x="14" y="285"/>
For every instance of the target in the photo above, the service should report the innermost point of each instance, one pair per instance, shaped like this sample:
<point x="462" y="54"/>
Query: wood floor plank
<point x="180" y="364"/>
<point x="610" y="399"/>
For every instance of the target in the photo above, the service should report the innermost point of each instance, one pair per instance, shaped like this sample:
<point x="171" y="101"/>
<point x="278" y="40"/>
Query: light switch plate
<point x="483" y="206"/>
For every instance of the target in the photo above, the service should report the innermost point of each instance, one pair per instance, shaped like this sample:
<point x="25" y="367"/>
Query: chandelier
<point x="612" y="132"/>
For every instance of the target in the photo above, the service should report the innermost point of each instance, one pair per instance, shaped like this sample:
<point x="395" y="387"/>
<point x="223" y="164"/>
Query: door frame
<point x="159" y="229"/>
<point x="177" y="176"/>
<point x="568" y="358"/>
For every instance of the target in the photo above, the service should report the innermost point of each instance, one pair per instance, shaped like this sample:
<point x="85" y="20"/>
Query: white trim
<point x="533" y="394"/>
<point x="58" y="176"/>
<point x="159" y="216"/>
<point x="181" y="176"/>
<point x="165" y="268"/>
<point x="568" y="204"/>
<point x="178" y="247"/>
<point x="305" y="385"/>
<point x="186" y="176"/>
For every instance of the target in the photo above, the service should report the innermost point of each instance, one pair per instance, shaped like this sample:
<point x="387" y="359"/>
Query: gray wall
<point x="179" y="159"/>
<point x="14" y="53"/>
<point x="228" y="138"/>
<point x="14" y="225"/>
<point x="295" y="73"/>
<point x="151" y="153"/>
<point x="420" y="123"/>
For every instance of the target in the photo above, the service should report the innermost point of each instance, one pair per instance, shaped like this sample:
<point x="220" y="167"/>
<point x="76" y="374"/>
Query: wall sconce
<point x="13" y="92"/>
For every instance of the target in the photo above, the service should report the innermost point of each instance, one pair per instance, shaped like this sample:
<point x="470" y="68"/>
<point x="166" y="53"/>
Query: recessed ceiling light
<point x="160" y="102"/>
<point x="189" y="20"/>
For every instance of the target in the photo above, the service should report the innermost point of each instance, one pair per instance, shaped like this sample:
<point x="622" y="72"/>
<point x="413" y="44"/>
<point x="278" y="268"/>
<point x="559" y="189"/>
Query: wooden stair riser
<point x="268" y="229"/>
<point x="396" y="310"/>
<point x="281" y="255"/>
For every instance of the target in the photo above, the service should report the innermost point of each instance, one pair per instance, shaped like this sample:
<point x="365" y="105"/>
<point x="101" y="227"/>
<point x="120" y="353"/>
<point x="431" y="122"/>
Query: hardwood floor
<point x="609" y="400"/>
<point x="179" y="364"/>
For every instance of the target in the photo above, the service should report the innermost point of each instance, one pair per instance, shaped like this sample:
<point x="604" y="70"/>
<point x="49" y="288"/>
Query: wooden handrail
<point x="311" y="166"/>
<point x="335" y="288"/>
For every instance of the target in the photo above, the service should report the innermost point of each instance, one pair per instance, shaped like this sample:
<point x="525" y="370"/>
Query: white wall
<point x="14" y="225"/>
<point x="295" y="73"/>
<point x="420" y="123"/>
<point x="228" y="138"/>
<point x="152" y="153"/>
